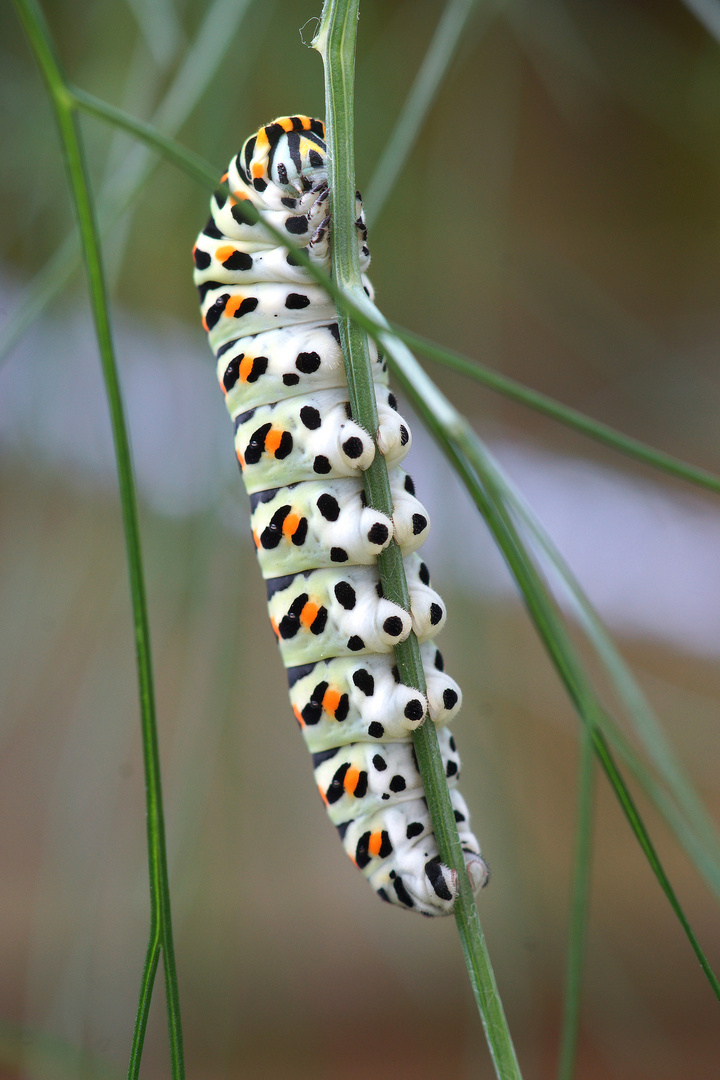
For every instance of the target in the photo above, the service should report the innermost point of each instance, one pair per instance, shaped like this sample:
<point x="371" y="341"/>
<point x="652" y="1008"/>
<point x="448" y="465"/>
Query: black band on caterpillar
<point x="274" y="333"/>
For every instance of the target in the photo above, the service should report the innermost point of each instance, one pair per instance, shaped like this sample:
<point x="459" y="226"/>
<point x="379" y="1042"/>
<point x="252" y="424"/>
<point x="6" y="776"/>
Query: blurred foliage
<point x="558" y="219"/>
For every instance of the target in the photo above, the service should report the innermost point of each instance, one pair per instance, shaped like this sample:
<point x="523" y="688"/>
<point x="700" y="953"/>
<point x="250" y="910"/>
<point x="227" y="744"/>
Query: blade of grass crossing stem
<point x="336" y="43"/>
<point x="40" y="40"/>
<point x="579" y="909"/>
<point x="467" y="454"/>
<point x="173" y="151"/>
<point x="357" y="306"/>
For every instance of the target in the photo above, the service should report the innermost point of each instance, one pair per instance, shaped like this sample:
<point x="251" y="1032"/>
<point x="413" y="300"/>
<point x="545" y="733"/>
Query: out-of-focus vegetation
<point x="558" y="219"/>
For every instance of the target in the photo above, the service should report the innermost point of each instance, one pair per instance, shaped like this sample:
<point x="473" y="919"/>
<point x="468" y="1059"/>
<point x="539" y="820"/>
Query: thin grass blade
<point x="41" y="43"/>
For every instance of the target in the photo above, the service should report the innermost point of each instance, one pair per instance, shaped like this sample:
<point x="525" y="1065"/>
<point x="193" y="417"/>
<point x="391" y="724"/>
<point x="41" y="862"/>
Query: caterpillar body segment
<point x="274" y="334"/>
<point x="321" y="523"/>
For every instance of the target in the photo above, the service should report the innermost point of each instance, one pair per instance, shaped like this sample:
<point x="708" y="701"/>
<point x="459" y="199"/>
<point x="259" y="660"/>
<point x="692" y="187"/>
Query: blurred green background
<point x="558" y="219"/>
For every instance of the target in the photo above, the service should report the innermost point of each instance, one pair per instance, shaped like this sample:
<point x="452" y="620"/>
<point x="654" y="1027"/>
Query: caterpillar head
<point x="289" y="152"/>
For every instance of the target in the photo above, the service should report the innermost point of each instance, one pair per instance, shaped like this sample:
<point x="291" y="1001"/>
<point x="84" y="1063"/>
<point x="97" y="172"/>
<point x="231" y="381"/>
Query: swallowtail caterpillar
<point x="275" y="336"/>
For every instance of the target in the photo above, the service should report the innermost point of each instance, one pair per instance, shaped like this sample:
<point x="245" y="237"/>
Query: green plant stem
<point x="38" y="35"/>
<point x="336" y="43"/>
<point x="579" y="910"/>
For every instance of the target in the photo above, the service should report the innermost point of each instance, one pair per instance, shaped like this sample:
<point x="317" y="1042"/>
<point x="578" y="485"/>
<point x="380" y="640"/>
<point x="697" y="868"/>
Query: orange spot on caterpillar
<point x="290" y="524"/>
<point x="309" y="613"/>
<point x="375" y="843"/>
<point x="256" y="538"/>
<point x="241" y="459"/>
<point x="262" y="142"/>
<point x="323" y="796"/>
<point x="232" y="305"/>
<point x="257" y="171"/>
<point x="238" y="196"/>
<point x="298" y="716"/>
<point x="245" y="369"/>
<point x="331" y="700"/>
<point x="223" y="178"/>
<point x="275" y="628"/>
<point x="285" y="123"/>
<point x="351" y="780"/>
<point x="205" y="325"/>
<point x="224" y="252"/>
<point x="272" y="440"/>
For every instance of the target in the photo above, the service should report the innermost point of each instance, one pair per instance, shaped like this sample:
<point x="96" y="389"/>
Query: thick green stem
<point x="38" y="34"/>
<point x="336" y="43"/>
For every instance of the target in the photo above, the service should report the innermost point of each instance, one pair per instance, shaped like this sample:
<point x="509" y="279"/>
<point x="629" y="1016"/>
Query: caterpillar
<point x="275" y="336"/>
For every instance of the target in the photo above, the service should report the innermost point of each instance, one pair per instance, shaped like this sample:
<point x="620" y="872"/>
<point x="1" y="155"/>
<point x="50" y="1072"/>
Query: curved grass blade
<point x="486" y="485"/>
<point x="682" y="809"/>
<point x="40" y="40"/>
<point x="701" y="836"/>
<point x="336" y="43"/>
<point x="173" y="151"/>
